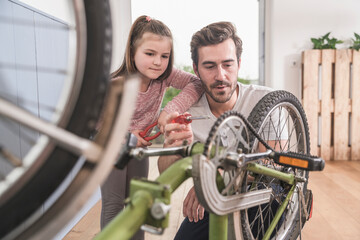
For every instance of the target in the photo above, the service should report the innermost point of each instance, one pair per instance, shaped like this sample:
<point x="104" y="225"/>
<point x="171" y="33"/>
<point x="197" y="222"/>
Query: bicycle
<point x="59" y="143"/>
<point x="50" y="165"/>
<point x="265" y="192"/>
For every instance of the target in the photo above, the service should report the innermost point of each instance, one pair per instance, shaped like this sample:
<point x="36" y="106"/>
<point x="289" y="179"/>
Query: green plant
<point x="188" y="69"/>
<point x="169" y="94"/>
<point x="244" y="81"/>
<point x="356" y="42"/>
<point x="325" y="42"/>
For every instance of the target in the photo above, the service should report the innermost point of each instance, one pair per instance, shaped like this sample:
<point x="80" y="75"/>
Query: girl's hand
<point x="141" y="142"/>
<point x="176" y="133"/>
<point x="162" y="121"/>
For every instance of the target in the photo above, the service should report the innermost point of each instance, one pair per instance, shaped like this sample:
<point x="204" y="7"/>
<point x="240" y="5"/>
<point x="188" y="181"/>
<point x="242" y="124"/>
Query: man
<point x="216" y="54"/>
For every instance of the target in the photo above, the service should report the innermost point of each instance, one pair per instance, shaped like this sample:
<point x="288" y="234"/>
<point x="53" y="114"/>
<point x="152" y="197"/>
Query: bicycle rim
<point x="43" y="166"/>
<point x="279" y="119"/>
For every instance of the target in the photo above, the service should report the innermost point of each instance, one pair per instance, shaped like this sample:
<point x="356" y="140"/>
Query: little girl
<point x="149" y="52"/>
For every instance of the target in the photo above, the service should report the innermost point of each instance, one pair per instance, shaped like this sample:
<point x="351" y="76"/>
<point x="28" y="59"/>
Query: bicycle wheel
<point x="32" y="170"/>
<point x="280" y="120"/>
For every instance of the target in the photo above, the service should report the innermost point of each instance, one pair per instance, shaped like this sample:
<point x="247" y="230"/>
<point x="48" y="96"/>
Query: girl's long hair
<point x="142" y="25"/>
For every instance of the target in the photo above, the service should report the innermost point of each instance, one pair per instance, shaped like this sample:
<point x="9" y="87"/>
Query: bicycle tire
<point x="277" y="102"/>
<point x="55" y="163"/>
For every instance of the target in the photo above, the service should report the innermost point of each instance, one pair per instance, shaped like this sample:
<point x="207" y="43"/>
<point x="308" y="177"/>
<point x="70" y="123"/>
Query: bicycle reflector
<point x="298" y="160"/>
<point x="293" y="162"/>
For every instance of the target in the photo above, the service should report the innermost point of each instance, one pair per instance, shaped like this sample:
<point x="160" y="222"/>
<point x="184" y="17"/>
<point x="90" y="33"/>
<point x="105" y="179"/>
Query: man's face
<point x="218" y="69"/>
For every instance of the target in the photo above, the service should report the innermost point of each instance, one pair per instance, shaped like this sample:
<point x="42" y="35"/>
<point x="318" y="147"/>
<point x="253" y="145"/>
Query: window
<point x="188" y="16"/>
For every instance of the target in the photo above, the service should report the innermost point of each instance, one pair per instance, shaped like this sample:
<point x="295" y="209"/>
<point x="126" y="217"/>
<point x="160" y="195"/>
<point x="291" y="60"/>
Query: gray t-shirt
<point x="249" y="96"/>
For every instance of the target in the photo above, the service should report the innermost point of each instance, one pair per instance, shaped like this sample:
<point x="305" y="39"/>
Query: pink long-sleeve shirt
<point x="148" y="103"/>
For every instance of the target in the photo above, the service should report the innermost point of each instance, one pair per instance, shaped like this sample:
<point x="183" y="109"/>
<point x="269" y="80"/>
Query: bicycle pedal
<point x="298" y="160"/>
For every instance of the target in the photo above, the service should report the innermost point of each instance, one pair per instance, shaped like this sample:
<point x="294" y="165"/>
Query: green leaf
<point x="357" y="36"/>
<point x="325" y="42"/>
<point x="317" y="43"/>
<point x="326" y="35"/>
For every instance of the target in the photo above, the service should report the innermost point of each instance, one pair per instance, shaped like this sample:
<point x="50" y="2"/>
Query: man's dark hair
<point x="212" y="34"/>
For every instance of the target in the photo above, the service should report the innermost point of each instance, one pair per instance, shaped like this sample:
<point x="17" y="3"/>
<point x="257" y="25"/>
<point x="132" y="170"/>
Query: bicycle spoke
<point x="275" y="131"/>
<point x="237" y="131"/>
<point x="285" y="125"/>
<point x="293" y="131"/>
<point x="232" y="183"/>
<point x="295" y="145"/>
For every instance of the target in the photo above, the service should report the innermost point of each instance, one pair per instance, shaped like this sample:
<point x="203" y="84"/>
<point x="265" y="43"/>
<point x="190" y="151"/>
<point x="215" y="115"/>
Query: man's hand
<point x="192" y="208"/>
<point x="175" y="133"/>
<point x="141" y="142"/>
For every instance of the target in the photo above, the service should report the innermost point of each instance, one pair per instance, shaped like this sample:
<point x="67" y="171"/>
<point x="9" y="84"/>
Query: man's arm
<point x="175" y="134"/>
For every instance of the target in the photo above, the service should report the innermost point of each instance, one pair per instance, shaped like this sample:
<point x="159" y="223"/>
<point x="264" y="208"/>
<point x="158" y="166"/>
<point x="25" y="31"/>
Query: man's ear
<point x="239" y="62"/>
<point x="196" y="70"/>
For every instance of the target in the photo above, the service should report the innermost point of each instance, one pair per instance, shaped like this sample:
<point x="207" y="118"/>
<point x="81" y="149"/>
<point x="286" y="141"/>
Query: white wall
<point x="121" y="20"/>
<point x="54" y="8"/>
<point x="289" y="26"/>
<point x="184" y="19"/>
<point x="121" y="23"/>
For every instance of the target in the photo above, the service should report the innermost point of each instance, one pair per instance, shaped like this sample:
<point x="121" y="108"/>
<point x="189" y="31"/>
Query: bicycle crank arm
<point x="141" y="153"/>
<point x="246" y="158"/>
<point x="129" y="151"/>
<point x="240" y="160"/>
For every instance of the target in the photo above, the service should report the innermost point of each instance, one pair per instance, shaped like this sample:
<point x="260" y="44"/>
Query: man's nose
<point x="220" y="73"/>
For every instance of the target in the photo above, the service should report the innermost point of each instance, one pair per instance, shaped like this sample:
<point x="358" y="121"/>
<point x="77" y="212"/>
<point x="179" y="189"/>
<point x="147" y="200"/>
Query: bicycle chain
<point x="221" y="119"/>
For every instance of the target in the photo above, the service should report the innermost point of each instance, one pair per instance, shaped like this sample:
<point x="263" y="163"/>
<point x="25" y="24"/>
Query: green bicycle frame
<point x="129" y="221"/>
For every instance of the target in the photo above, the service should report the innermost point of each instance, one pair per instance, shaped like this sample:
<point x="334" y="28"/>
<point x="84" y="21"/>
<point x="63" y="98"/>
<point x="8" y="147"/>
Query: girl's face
<point x="152" y="55"/>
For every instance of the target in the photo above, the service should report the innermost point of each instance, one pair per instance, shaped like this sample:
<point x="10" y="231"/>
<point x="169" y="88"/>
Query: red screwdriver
<point x="187" y="118"/>
<point x="182" y="119"/>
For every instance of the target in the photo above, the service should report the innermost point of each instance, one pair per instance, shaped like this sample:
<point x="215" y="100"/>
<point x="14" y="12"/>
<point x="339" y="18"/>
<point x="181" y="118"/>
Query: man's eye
<point x="209" y="67"/>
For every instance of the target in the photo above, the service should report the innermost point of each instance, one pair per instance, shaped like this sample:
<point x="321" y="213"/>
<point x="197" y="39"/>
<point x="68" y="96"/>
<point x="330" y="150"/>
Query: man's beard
<point x="220" y="98"/>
